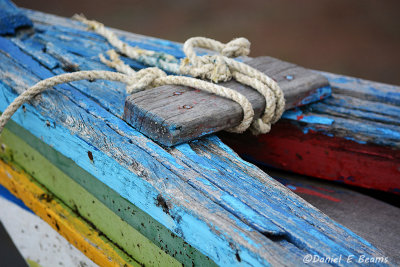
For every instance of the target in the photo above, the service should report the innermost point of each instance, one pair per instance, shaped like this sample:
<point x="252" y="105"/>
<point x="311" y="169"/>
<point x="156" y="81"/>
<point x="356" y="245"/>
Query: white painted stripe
<point x="36" y="240"/>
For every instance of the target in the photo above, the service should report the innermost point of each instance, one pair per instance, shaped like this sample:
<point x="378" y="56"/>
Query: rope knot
<point x="144" y="79"/>
<point x="212" y="68"/>
<point x="236" y="48"/>
<point x="215" y="67"/>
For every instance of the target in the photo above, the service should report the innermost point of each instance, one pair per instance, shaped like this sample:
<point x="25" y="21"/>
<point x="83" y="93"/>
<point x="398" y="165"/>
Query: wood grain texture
<point x="201" y="191"/>
<point x="351" y="137"/>
<point x="172" y="114"/>
<point x="11" y="18"/>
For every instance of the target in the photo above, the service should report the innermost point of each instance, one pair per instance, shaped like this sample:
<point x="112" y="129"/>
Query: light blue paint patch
<point x="164" y="154"/>
<point x="305" y="130"/>
<point x="198" y="233"/>
<point x="298" y="115"/>
<point x="388" y="132"/>
<point x="250" y="260"/>
<point x="251" y="216"/>
<point x="317" y="120"/>
<point x="238" y="205"/>
<point x="355" y="140"/>
<point x="319" y="94"/>
<point x="207" y="183"/>
<point x="292" y="187"/>
<point x="204" y="181"/>
<point x="356" y="112"/>
<point x="188" y="151"/>
<point x="341" y="80"/>
<point x="248" y="240"/>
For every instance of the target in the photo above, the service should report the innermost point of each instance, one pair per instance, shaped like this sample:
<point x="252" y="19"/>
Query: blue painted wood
<point x="11" y="18"/>
<point x="4" y="193"/>
<point x="225" y="207"/>
<point x="359" y="110"/>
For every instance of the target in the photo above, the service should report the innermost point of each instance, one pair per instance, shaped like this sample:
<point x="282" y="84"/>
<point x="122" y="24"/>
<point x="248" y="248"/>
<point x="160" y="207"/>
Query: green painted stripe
<point x="146" y="240"/>
<point x="32" y="263"/>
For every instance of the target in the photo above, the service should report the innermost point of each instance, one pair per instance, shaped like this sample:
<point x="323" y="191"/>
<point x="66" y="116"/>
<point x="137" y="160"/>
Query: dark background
<point x="358" y="38"/>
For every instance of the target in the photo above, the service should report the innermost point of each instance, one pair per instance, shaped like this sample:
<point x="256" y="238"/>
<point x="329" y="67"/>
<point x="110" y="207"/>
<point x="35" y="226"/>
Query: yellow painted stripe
<point x="62" y="219"/>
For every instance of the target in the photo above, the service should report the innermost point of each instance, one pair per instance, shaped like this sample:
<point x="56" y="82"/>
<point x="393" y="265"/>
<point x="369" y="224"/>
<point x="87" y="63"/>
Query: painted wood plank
<point x="352" y="137"/>
<point x="194" y="201"/>
<point x="37" y="242"/>
<point x="137" y="233"/>
<point x="172" y="114"/>
<point x="364" y="89"/>
<point x="62" y="219"/>
<point x="11" y="18"/>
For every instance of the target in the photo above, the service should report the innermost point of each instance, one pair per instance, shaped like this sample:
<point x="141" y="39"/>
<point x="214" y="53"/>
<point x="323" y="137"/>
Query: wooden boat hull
<point x="68" y="154"/>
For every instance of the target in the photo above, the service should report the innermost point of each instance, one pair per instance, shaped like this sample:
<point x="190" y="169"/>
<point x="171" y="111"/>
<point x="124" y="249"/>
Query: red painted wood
<point x="315" y="154"/>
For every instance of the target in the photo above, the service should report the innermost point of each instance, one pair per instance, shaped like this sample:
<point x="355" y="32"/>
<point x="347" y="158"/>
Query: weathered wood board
<point x="172" y="115"/>
<point x="352" y="137"/>
<point x="227" y="209"/>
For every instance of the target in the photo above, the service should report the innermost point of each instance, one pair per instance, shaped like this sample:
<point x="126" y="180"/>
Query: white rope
<point x="216" y="68"/>
<point x="164" y="61"/>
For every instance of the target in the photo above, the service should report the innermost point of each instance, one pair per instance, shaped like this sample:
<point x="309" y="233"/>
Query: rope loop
<point x="212" y="67"/>
<point x="236" y="48"/>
